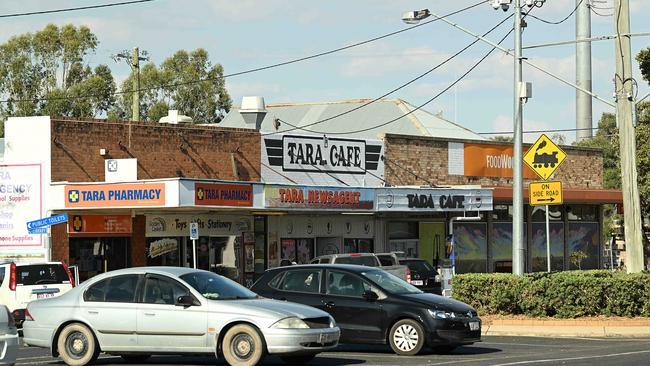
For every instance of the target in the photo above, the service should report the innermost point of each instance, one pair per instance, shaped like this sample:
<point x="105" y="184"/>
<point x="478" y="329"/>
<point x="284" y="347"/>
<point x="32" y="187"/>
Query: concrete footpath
<point x="588" y="327"/>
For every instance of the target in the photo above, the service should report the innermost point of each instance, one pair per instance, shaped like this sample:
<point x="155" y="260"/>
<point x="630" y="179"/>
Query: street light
<point x="521" y="94"/>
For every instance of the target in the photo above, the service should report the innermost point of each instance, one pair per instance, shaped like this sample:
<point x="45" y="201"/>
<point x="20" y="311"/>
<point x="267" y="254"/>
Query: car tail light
<point x="67" y="270"/>
<point x="10" y="319"/>
<point x="12" y="277"/>
<point x="355" y="254"/>
<point x="28" y="316"/>
<point x="408" y="275"/>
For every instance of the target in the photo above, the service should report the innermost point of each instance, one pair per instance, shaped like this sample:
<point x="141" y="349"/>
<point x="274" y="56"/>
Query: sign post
<point x="546" y="193"/>
<point x="194" y="235"/>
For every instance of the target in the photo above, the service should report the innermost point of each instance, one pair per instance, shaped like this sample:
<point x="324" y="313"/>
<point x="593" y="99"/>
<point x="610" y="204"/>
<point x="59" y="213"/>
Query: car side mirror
<point x="370" y="295"/>
<point x="186" y="301"/>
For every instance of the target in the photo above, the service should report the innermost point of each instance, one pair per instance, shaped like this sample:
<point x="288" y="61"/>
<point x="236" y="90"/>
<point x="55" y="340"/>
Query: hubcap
<point x="406" y="338"/>
<point x="243" y="346"/>
<point x="76" y="345"/>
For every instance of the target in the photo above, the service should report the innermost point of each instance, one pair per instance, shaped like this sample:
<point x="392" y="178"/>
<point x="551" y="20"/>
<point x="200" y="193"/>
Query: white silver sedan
<point x="139" y="312"/>
<point x="8" y="337"/>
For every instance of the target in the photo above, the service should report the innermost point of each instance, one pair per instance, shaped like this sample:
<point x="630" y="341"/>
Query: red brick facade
<point x="163" y="151"/>
<point x="414" y="160"/>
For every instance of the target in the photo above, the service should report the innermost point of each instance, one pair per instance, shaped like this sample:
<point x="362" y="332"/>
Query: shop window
<point x="502" y="213"/>
<point x="583" y="245"/>
<point x="403" y="230"/>
<point x="470" y="247"/>
<point x="538" y="255"/>
<point x="299" y="251"/>
<point x="539" y="213"/>
<point x="98" y="255"/>
<point x="306" y="280"/>
<point x="501" y="247"/>
<point x="164" y="251"/>
<point x="582" y="213"/>
<point x="357" y="245"/>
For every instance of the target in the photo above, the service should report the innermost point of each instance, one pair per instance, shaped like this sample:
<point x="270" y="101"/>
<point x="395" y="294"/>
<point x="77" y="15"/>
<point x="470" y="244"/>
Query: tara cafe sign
<point x="434" y="199"/>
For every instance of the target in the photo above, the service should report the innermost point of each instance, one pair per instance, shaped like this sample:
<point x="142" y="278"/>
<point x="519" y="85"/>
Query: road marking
<point x="32" y="358"/>
<point x="573" y="358"/>
<point x="531" y="345"/>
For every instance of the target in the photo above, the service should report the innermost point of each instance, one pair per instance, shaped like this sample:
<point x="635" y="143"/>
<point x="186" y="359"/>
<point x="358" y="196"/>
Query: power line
<point x="560" y="21"/>
<point x="428" y="101"/>
<point x="284" y="63"/>
<point x="294" y="127"/>
<point x="541" y="131"/>
<point x="74" y="9"/>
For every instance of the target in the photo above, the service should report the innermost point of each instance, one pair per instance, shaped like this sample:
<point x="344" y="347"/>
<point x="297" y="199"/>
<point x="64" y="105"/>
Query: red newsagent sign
<point x="218" y="194"/>
<point x="318" y="197"/>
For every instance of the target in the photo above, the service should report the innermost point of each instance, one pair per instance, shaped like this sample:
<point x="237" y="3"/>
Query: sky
<point x="247" y="34"/>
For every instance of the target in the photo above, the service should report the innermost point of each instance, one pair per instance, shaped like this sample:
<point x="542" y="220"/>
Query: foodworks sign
<point x="322" y="160"/>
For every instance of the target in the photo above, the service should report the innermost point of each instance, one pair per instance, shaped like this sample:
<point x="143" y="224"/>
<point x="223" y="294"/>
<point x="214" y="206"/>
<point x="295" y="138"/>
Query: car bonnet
<point x="271" y="308"/>
<point x="438" y="302"/>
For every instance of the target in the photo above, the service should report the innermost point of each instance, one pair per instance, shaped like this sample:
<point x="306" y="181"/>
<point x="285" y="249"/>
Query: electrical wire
<point x="428" y="101"/>
<point x="294" y="127"/>
<point x="560" y="21"/>
<point x="74" y="9"/>
<point x="541" y="131"/>
<point x="284" y="63"/>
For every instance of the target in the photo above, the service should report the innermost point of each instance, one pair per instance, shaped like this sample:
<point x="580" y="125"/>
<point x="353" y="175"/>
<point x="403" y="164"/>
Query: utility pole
<point x="584" y="117"/>
<point x="625" y="112"/>
<point x="134" y="61"/>
<point x="518" y="248"/>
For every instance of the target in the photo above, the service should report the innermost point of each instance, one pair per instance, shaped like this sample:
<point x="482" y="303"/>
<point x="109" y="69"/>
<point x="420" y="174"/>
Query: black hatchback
<point x="423" y="275"/>
<point x="372" y="306"/>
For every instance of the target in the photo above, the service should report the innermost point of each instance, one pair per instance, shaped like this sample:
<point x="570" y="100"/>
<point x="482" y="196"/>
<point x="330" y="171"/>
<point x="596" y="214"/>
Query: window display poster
<point x="249" y="258"/>
<point x="20" y="202"/>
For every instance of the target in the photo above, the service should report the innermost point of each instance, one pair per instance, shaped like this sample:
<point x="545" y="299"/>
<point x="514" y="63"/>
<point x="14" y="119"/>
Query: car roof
<point x="174" y="271"/>
<point x="348" y="267"/>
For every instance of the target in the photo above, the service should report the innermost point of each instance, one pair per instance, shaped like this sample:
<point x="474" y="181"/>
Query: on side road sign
<point x="545" y="193"/>
<point x="544" y="157"/>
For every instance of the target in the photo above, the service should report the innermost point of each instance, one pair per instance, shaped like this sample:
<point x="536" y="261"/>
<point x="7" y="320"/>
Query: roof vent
<point x="175" y="118"/>
<point x="253" y="110"/>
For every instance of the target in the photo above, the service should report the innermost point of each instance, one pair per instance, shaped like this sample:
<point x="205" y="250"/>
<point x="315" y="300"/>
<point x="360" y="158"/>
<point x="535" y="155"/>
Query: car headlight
<point x="441" y="314"/>
<point x="290" y="323"/>
<point x="332" y="322"/>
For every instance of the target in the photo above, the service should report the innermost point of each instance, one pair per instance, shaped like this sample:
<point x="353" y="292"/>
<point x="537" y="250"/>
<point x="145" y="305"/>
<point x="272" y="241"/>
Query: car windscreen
<point x="390" y="283"/>
<point x="215" y="287"/>
<point x="41" y="274"/>
<point x="362" y="260"/>
<point x="418" y="266"/>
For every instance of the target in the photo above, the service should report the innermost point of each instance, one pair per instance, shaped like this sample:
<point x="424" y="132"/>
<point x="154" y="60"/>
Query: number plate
<point x="325" y="338"/>
<point x="44" y="296"/>
<point x="473" y="326"/>
<point x="417" y="282"/>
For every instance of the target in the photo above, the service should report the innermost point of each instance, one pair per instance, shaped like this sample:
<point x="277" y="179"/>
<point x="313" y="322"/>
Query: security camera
<point x="503" y="4"/>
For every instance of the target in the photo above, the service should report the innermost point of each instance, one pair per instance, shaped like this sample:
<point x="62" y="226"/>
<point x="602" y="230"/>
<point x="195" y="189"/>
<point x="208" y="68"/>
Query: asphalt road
<point x="493" y="351"/>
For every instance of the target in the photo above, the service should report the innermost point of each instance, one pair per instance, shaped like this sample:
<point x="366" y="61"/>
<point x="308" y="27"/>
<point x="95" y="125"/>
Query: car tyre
<point x="135" y="358"/>
<point x="406" y="337"/>
<point x="297" y="360"/>
<point x="76" y="345"/>
<point x="243" y="346"/>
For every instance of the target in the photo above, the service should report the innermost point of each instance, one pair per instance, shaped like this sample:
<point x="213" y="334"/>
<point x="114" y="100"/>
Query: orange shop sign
<point x="218" y="194"/>
<point x="115" y="195"/>
<point x="100" y="224"/>
<point x="487" y="160"/>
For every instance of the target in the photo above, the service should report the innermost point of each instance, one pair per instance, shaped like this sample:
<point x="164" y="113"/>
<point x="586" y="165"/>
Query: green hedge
<point x="568" y="294"/>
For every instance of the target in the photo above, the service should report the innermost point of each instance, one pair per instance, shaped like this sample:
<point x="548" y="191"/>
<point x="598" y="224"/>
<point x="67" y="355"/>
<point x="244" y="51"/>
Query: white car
<point x="138" y="312"/>
<point x="8" y="337"/>
<point x="21" y="283"/>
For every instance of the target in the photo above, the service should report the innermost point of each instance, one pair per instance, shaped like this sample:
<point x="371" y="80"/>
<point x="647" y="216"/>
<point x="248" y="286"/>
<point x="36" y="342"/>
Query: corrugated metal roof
<point x="348" y="117"/>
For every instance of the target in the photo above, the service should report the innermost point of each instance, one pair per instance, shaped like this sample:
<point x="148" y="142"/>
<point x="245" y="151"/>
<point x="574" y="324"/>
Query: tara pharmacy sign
<point x="322" y="160"/>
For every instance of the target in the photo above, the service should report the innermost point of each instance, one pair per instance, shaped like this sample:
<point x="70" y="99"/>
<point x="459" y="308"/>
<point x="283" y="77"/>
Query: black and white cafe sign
<point x="322" y="160"/>
<point x="434" y="199"/>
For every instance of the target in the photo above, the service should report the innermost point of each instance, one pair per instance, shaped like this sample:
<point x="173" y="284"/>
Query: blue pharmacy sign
<point x="52" y="220"/>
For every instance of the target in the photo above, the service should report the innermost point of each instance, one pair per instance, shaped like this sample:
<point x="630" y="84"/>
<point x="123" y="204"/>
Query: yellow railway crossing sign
<point x="544" y="157"/>
<point x="545" y="193"/>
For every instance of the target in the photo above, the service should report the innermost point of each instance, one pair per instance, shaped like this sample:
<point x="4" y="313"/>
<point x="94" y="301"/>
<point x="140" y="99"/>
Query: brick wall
<point x="163" y="151"/>
<point x="60" y="244"/>
<point x="422" y="161"/>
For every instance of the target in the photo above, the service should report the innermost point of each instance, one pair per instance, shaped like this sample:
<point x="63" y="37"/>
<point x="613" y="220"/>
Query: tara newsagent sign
<point x="322" y="160"/>
<point x="316" y="197"/>
<point x="434" y="199"/>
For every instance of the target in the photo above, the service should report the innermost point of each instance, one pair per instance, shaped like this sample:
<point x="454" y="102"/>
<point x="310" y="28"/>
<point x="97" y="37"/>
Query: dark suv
<point x="423" y="275"/>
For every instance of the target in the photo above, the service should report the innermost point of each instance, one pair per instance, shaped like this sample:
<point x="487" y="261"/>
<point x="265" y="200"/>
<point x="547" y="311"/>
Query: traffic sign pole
<point x="194" y="252"/>
<point x="548" y="243"/>
<point x="194" y="235"/>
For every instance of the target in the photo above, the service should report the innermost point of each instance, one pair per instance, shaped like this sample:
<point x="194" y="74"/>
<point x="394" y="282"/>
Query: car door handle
<point x="329" y="304"/>
<point x="283" y="299"/>
<point x="93" y="312"/>
<point x="150" y="314"/>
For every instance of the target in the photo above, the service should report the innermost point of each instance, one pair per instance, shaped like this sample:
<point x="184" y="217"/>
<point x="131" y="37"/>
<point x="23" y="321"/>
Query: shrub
<point x="567" y="294"/>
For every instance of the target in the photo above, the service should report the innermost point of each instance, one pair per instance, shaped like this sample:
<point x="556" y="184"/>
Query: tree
<point x="501" y="138"/>
<point x="172" y="86"/>
<point x="606" y="138"/>
<point x="46" y="73"/>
